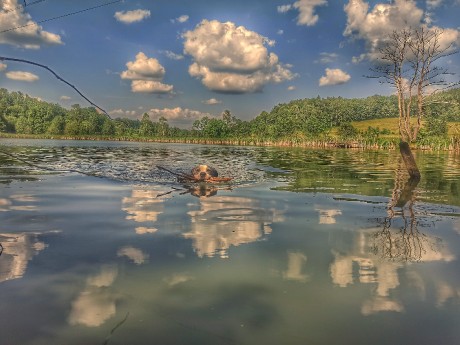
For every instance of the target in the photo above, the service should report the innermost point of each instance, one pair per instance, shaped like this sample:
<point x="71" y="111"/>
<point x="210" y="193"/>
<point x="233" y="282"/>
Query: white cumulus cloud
<point x="143" y="68"/>
<point x="306" y="9"/>
<point x="123" y="113"/>
<point x="334" y="77"/>
<point x="434" y="3"/>
<point x="178" y="114"/>
<point x="134" y="16"/>
<point x="173" y="56"/>
<point x="22" y="76"/>
<point x="327" y="57"/>
<point x="150" y="86"/>
<point x="232" y="59"/>
<point x="284" y="8"/>
<point x="212" y="101"/>
<point x="146" y="75"/>
<point x="26" y="33"/>
<point x="374" y="26"/>
<point x="182" y="19"/>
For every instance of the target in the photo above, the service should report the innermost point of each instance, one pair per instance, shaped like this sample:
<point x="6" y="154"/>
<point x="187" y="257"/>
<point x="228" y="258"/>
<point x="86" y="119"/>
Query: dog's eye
<point x="212" y="172"/>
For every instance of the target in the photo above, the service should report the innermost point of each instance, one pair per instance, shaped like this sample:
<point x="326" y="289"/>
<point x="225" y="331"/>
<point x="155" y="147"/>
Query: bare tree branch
<point x="2" y="58"/>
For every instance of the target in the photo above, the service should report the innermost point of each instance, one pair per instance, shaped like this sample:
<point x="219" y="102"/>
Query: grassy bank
<point x="392" y="125"/>
<point x="362" y="139"/>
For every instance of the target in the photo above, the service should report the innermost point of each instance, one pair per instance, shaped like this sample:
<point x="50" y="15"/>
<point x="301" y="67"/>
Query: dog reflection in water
<point x="202" y="190"/>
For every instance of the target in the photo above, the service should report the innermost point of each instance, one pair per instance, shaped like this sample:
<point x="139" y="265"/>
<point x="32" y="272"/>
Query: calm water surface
<point x="303" y="247"/>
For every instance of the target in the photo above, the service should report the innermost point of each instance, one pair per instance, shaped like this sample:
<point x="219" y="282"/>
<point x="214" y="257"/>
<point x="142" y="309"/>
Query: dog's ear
<point x="196" y="170"/>
<point x="211" y="171"/>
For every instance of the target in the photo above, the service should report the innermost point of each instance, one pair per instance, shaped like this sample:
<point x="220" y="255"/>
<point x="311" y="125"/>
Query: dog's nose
<point x="202" y="174"/>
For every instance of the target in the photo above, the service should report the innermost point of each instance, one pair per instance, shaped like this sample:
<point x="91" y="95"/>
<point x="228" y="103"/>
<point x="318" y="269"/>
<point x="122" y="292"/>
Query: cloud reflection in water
<point x="96" y="303"/>
<point x="135" y="255"/>
<point x="296" y="263"/>
<point x="367" y="267"/>
<point x="18" y="250"/>
<point x="144" y="206"/>
<point x="225" y="221"/>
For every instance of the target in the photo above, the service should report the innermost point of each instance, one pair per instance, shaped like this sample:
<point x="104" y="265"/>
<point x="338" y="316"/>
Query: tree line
<point x="304" y="118"/>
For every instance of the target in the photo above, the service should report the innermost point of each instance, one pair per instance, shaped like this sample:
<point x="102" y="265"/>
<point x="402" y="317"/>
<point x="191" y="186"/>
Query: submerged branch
<point x="115" y="328"/>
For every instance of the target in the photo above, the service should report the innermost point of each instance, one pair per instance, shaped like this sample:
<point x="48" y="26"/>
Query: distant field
<point x="392" y="125"/>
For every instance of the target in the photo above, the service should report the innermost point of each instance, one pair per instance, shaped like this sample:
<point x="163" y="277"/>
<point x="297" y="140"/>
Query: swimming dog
<point x="204" y="173"/>
<point x="200" y="173"/>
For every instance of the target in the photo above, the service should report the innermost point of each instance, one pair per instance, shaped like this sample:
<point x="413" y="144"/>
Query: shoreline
<point x="450" y="144"/>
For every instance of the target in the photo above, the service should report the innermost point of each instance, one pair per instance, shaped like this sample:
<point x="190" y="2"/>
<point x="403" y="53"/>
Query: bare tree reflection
<point x="400" y="238"/>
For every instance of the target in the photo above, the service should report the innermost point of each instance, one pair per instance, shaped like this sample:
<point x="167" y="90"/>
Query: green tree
<point x="57" y="125"/>
<point x="147" y="128"/>
<point x="215" y="128"/>
<point x="347" y="131"/>
<point x="163" y="126"/>
<point x="436" y="126"/>
<point x="108" y="127"/>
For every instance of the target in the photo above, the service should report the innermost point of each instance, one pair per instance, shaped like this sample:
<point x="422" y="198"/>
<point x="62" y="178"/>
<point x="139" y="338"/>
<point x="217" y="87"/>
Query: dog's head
<point x="204" y="172"/>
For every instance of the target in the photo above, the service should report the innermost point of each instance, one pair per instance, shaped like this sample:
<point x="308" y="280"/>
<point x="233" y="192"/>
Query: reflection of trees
<point x="378" y="257"/>
<point x="405" y="243"/>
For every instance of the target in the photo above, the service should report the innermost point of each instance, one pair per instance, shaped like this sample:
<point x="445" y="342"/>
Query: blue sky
<point x="187" y="59"/>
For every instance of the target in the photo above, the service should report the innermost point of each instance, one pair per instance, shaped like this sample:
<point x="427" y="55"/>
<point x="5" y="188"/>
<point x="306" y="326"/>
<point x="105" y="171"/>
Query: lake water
<point x="302" y="247"/>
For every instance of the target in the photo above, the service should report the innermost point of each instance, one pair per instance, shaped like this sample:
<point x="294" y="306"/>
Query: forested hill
<point x="308" y="118"/>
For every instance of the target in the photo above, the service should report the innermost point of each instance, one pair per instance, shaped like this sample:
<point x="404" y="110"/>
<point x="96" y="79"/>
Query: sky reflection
<point x="96" y="303"/>
<point x="18" y="250"/>
<point x="251" y="265"/>
<point x="225" y="221"/>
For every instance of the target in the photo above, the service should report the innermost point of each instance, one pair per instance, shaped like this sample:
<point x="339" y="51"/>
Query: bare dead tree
<point x="407" y="61"/>
<point x="426" y="49"/>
